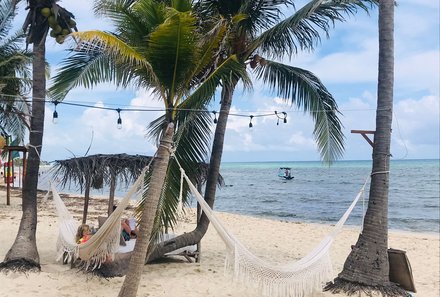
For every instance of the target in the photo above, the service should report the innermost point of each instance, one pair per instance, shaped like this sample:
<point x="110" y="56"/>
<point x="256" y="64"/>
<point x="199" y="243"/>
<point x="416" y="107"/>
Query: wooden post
<point x="10" y="149"/>
<point x="199" y="214"/>
<point x="111" y="198"/>
<point x="8" y="187"/>
<point x="364" y="135"/>
<point x="86" y="199"/>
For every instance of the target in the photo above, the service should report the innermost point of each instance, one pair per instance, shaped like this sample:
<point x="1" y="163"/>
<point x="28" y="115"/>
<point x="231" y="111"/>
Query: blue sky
<point x="346" y="63"/>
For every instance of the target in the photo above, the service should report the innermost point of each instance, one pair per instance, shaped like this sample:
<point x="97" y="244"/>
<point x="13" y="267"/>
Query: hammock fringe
<point x="103" y="245"/>
<point x="296" y="279"/>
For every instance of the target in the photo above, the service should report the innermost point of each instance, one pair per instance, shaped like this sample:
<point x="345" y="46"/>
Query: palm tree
<point x="14" y="77"/>
<point x="157" y="47"/>
<point x="367" y="267"/>
<point x="257" y="29"/>
<point x="42" y="15"/>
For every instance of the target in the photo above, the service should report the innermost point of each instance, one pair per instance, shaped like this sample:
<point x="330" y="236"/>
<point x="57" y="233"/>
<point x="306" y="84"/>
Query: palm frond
<point x="302" y="30"/>
<point x="112" y="46"/>
<point x="261" y="15"/>
<point x="192" y="140"/>
<point x="87" y="69"/>
<point x="230" y="70"/>
<point x="172" y="52"/>
<point x="303" y="89"/>
<point x="98" y="61"/>
<point x="7" y="12"/>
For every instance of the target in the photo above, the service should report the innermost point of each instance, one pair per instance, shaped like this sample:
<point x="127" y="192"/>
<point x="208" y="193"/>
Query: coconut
<point x="45" y="11"/>
<point x="52" y="21"/>
<point x="60" y="39"/>
<point x="57" y="29"/>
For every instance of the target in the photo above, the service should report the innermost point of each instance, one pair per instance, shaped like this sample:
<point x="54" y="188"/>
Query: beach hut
<point x="96" y="171"/>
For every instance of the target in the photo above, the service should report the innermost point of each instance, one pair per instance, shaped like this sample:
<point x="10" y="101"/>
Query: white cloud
<point x="76" y="133"/>
<point x="346" y="63"/>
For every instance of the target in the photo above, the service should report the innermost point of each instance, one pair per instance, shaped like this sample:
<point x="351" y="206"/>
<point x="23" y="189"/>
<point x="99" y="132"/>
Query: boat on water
<point x="285" y="173"/>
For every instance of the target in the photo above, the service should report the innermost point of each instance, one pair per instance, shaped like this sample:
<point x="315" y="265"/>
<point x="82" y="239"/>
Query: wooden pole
<point x="8" y="187"/>
<point x="199" y="214"/>
<point x="86" y="199"/>
<point x="111" y="198"/>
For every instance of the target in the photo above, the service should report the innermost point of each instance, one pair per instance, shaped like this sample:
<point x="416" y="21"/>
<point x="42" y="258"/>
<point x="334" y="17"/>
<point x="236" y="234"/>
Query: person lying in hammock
<point x="129" y="229"/>
<point x="83" y="233"/>
<point x="128" y="226"/>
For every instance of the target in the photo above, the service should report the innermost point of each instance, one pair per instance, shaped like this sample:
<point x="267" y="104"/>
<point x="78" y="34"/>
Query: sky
<point x="347" y="64"/>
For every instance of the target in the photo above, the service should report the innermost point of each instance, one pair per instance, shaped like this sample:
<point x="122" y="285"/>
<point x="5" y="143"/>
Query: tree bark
<point x="24" y="246"/>
<point x="197" y="234"/>
<point x="131" y="282"/>
<point x="367" y="265"/>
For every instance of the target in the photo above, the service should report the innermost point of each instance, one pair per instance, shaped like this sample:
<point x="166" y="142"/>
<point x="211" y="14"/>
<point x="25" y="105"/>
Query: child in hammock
<point x="83" y="233"/>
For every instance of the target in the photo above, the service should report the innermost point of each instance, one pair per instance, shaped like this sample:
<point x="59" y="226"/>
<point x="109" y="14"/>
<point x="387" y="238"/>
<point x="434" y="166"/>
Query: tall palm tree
<point x="258" y="31"/>
<point x="156" y="46"/>
<point x="23" y="252"/>
<point x="14" y="77"/>
<point x="367" y="267"/>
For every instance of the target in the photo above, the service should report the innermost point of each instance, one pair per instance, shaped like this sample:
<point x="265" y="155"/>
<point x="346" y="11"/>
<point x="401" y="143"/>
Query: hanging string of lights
<point x="280" y="116"/>
<point x="55" y="116"/>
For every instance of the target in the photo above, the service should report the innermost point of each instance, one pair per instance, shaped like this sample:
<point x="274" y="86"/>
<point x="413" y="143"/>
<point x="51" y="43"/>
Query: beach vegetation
<point x="15" y="77"/>
<point x="36" y="28"/>
<point x="157" y="46"/>
<point x="261" y="36"/>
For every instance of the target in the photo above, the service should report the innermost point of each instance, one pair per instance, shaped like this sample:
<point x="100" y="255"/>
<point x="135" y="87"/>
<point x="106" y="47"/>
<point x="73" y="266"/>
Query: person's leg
<point x="125" y="226"/>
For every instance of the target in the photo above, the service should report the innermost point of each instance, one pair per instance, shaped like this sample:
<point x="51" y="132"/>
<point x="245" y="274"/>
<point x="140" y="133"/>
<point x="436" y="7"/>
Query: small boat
<point x="285" y="173"/>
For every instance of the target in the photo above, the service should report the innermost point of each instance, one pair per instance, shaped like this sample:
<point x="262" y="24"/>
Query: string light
<point x="283" y="116"/>
<point x="55" y="113"/>
<point x="55" y="118"/>
<point x="119" y="121"/>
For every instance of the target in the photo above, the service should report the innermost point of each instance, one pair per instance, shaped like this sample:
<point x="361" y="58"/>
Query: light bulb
<point x="55" y="117"/>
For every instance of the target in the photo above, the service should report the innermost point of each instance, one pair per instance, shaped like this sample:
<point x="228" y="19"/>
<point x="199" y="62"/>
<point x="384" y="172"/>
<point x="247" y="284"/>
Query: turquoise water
<point x="321" y="194"/>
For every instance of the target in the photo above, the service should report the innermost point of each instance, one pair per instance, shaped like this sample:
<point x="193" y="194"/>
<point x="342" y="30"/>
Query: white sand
<point x="274" y="240"/>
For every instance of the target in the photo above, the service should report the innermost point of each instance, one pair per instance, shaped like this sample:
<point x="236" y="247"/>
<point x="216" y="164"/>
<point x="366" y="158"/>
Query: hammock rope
<point x="104" y="243"/>
<point x="296" y="279"/>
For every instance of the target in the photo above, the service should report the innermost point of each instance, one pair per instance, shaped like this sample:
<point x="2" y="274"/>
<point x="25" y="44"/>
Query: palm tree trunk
<point x="197" y="234"/>
<point x="137" y="260"/>
<point x="367" y="266"/>
<point x="25" y="246"/>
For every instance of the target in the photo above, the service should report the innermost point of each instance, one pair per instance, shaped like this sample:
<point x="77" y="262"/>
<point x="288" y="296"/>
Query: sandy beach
<point x="276" y="241"/>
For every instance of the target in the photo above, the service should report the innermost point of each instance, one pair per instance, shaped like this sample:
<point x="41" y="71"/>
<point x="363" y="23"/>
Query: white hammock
<point x="297" y="279"/>
<point x="103" y="244"/>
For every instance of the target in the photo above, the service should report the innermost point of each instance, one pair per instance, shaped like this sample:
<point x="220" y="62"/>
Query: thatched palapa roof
<point x="100" y="169"/>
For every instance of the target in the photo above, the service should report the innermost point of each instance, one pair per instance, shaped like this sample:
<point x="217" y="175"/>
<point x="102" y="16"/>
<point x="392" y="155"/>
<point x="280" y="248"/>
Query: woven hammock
<point x="297" y="279"/>
<point x="103" y="244"/>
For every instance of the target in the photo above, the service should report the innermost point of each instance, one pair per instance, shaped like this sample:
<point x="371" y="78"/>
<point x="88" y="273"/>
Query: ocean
<point x="321" y="194"/>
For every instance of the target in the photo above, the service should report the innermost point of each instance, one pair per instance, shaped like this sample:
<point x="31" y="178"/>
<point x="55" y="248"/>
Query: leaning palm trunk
<point x="137" y="260"/>
<point x="197" y="234"/>
<point x="24" y="248"/>
<point x="367" y="267"/>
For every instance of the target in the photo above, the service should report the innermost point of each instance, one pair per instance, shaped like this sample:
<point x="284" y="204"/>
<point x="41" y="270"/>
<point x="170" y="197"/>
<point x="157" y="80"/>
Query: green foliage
<point x="15" y="76"/>
<point x="160" y="48"/>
